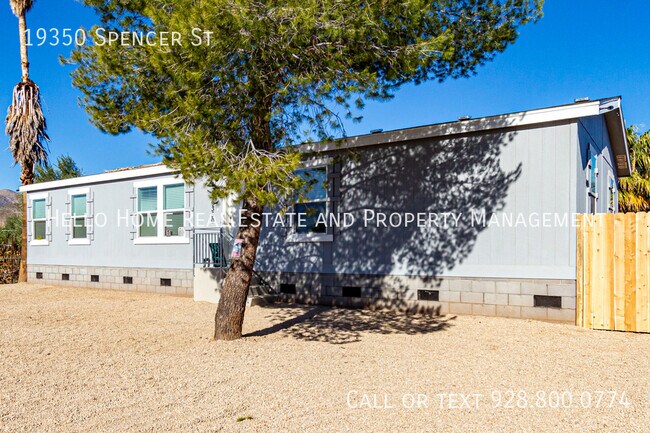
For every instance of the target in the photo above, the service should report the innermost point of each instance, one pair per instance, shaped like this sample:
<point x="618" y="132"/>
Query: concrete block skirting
<point x="103" y="277"/>
<point x="515" y="298"/>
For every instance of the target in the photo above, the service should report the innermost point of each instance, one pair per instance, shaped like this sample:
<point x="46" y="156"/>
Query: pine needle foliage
<point x="231" y="109"/>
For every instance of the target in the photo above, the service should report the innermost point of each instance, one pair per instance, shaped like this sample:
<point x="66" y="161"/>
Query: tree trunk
<point x="26" y="178"/>
<point x="24" y="60"/>
<point x="232" y="303"/>
<point x="22" y="270"/>
<point x="27" y="174"/>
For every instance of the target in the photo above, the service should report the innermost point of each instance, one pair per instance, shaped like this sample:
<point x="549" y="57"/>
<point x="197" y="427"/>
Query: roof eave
<point x="519" y="119"/>
<point x="99" y="178"/>
<point x="613" y="112"/>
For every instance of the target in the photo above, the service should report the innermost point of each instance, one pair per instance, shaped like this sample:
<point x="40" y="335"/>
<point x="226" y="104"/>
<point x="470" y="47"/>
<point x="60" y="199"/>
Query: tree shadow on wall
<point x="458" y="175"/>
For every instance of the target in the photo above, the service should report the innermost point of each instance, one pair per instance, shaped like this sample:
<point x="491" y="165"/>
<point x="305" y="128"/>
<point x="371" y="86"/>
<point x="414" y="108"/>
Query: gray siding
<point x="514" y="173"/>
<point x="521" y="171"/>
<point x="593" y="134"/>
<point x="112" y="244"/>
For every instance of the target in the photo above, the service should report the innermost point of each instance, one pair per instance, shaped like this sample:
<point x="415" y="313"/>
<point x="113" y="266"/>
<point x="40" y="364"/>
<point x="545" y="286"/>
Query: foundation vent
<point x="351" y="291"/>
<point x="288" y="289"/>
<point x="428" y="295"/>
<point x="547" y="301"/>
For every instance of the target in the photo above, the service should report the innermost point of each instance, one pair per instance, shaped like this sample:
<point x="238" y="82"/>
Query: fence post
<point x="580" y="269"/>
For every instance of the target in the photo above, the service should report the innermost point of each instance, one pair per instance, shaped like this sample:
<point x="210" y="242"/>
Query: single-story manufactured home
<point x="475" y="216"/>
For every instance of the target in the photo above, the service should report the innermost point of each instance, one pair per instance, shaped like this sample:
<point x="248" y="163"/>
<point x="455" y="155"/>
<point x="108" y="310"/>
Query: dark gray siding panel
<point x="593" y="134"/>
<point x="520" y="172"/>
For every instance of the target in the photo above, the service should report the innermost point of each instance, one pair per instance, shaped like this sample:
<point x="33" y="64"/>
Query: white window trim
<point x="294" y="237"/>
<point x="612" y="193"/>
<point x="71" y="239"/>
<point x="161" y="239"/>
<point x="590" y="195"/>
<point x="32" y="198"/>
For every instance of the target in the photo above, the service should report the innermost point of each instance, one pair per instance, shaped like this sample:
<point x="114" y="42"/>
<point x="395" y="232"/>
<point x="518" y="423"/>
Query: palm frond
<point x="26" y="126"/>
<point x="20" y="7"/>
<point x="635" y="190"/>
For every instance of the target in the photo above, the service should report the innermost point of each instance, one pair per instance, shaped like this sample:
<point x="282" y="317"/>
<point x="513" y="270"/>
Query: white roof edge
<point x="99" y="178"/>
<point x="522" y="118"/>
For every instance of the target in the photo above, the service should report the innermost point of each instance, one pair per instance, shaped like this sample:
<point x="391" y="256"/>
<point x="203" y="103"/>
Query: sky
<point x="580" y="48"/>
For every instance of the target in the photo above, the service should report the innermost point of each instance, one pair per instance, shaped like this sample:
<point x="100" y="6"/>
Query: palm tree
<point x="26" y="123"/>
<point x="634" y="193"/>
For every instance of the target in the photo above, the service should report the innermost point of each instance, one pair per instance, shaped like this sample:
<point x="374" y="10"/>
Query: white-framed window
<point x="612" y="193"/>
<point x="312" y="210"/>
<point x="79" y="217"/>
<point x="160" y="212"/>
<point x="592" y="182"/>
<point x="39" y="219"/>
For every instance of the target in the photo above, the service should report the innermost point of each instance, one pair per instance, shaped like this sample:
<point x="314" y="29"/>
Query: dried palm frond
<point x="20" y="7"/>
<point x="26" y="126"/>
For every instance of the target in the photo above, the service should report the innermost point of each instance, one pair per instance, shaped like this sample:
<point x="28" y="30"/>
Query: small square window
<point x="94" y="278"/>
<point x="167" y="282"/>
<point x="127" y="280"/>
<point x="65" y="277"/>
<point x="39" y="275"/>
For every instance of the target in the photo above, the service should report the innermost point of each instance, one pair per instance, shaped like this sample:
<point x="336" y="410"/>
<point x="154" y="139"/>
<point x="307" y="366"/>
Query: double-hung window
<point x="148" y="212"/>
<point x="160" y="211"/>
<point x="311" y="207"/>
<point x="612" y="193"/>
<point x="79" y="217"/>
<point x="39" y="221"/>
<point x="174" y="210"/>
<point x="592" y="182"/>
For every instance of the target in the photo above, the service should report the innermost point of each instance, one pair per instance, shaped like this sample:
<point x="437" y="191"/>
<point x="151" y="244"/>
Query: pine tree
<point x="272" y="74"/>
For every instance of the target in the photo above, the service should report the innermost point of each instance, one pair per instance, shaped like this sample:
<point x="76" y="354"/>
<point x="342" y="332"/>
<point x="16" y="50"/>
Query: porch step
<point x="260" y="300"/>
<point x="258" y="290"/>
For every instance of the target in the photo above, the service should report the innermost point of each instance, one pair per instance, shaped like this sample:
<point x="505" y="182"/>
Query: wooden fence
<point x="9" y="263"/>
<point x="613" y="272"/>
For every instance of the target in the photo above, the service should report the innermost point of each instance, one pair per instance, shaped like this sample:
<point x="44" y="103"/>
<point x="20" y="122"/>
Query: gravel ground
<point x="90" y="360"/>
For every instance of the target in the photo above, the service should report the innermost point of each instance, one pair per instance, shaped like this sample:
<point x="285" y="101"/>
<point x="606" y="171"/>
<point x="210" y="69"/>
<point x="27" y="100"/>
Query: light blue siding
<point x="112" y="243"/>
<point x="513" y="172"/>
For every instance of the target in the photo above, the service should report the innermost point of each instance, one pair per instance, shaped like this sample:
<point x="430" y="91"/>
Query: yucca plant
<point x="634" y="192"/>
<point x="26" y="124"/>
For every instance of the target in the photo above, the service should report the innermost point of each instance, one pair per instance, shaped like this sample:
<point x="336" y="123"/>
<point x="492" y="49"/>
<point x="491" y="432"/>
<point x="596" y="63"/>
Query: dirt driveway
<point x="90" y="360"/>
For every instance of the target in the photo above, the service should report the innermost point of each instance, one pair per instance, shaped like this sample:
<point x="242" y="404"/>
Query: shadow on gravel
<point x="343" y="325"/>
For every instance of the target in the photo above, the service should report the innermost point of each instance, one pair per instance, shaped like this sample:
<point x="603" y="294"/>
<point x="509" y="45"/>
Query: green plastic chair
<point x="215" y="250"/>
